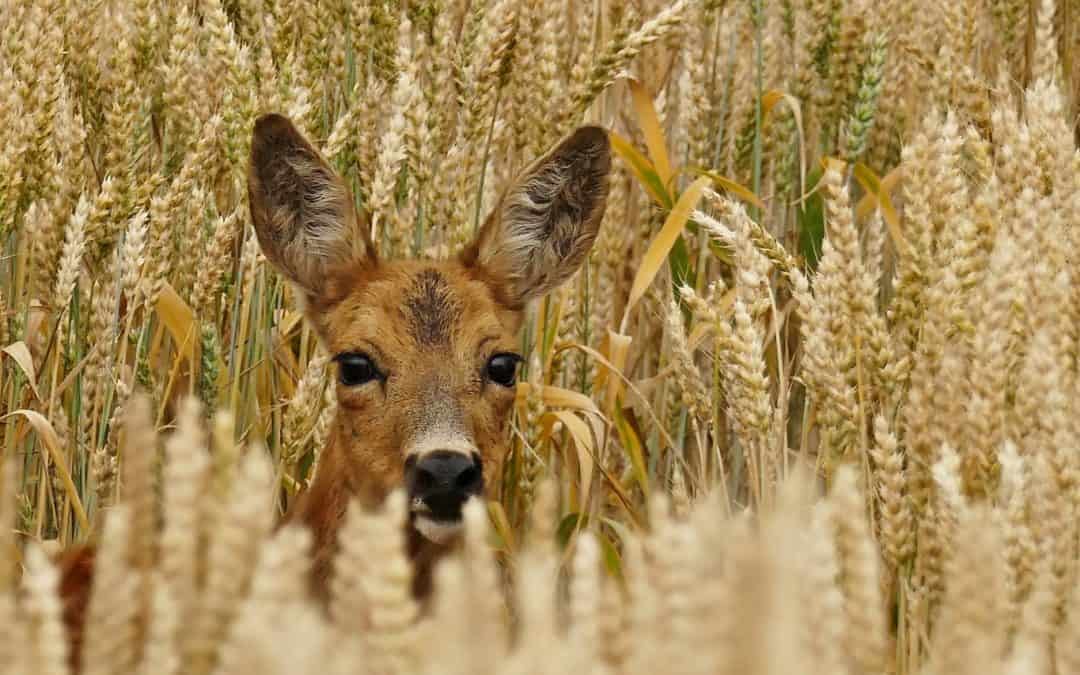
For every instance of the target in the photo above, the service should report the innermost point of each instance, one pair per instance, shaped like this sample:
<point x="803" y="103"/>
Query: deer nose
<point x="442" y="480"/>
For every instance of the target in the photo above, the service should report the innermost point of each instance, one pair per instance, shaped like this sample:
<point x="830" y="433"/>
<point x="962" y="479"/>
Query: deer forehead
<point x="411" y="313"/>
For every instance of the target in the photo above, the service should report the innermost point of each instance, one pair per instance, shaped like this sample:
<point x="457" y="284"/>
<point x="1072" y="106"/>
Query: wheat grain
<point x="45" y="646"/>
<point x="928" y="339"/>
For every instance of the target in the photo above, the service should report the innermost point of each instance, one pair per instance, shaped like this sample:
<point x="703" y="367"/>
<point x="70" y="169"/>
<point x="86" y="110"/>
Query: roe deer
<point x="425" y="351"/>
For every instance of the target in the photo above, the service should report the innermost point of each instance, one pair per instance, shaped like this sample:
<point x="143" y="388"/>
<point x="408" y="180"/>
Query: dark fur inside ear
<point x="547" y="220"/>
<point x="302" y="210"/>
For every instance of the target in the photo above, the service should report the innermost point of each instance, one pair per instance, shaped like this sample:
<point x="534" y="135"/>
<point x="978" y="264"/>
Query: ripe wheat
<point x="811" y="405"/>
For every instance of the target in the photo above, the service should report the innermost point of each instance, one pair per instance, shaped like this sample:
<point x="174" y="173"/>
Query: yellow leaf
<point x="833" y="164"/>
<point x="639" y="165"/>
<point x="618" y="353"/>
<point x="769" y="100"/>
<point x="583" y="442"/>
<point x="180" y="320"/>
<point x="741" y="191"/>
<point x="875" y="186"/>
<point x="20" y="353"/>
<point x="869" y="202"/>
<point x="557" y="397"/>
<point x="661" y="245"/>
<point x="51" y="441"/>
<point x="650" y="127"/>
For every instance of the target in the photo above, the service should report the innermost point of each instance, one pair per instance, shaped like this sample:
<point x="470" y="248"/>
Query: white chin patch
<point x="437" y="531"/>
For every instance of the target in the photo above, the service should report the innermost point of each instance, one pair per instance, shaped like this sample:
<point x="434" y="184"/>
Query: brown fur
<point x="76" y="572"/>
<point x="429" y="381"/>
<point x="429" y="327"/>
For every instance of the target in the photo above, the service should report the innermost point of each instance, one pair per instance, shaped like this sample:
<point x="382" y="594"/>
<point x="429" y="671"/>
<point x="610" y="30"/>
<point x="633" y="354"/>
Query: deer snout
<point x="439" y="482"/>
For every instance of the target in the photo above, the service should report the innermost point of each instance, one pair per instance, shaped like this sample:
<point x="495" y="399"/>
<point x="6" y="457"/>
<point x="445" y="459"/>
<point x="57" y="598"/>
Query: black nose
<point x="443" y="480"/>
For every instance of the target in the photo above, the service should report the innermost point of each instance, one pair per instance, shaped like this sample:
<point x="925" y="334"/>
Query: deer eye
<point x="502" y="369"/>
<point x="355" y="369"/>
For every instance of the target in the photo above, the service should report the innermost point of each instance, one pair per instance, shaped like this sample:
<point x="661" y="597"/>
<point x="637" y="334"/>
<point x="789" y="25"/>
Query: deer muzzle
<point x="438" y="484"/>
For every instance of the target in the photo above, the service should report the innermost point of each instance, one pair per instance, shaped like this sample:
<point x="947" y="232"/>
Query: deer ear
<point x="546" y="221"/>
<point x="302" y="210"/>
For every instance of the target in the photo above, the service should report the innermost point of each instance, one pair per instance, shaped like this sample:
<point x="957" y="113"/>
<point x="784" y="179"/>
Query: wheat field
<point x="812" y="406"/>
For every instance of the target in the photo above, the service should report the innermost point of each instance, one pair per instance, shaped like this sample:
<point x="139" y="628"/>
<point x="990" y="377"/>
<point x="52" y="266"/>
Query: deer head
<point x="426" y="352"/>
